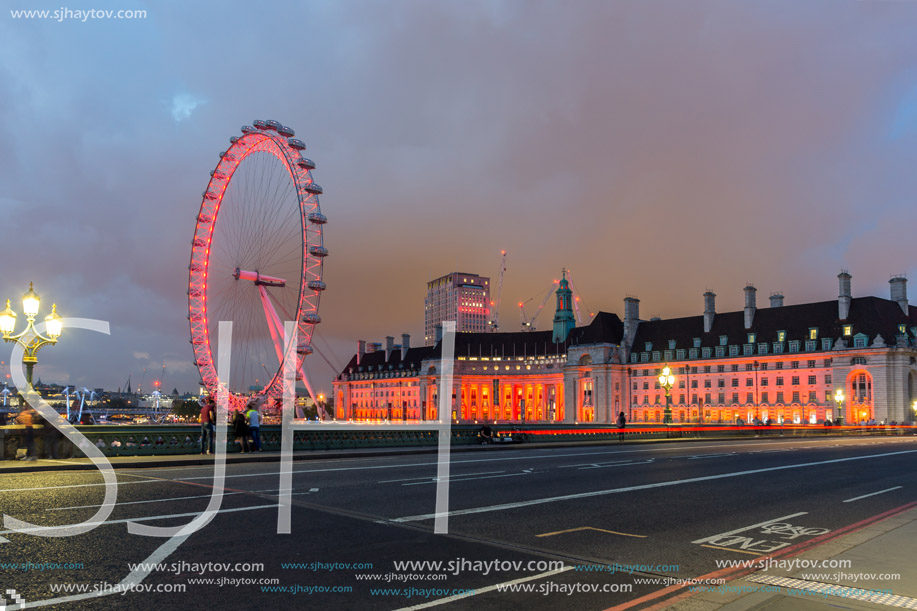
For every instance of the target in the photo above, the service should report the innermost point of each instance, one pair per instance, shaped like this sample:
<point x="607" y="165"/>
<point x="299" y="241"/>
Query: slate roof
<point x="869" y="315"/>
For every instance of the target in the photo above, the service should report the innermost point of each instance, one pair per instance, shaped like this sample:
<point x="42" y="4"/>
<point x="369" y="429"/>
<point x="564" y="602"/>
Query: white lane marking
<point x="433" y="478"/>
<point x="455" y="481"/>
<point x="857" y="498"/>
<point x="592" y="464"/>
<point x="176" y="498"/>
<point x="150" y="518"/>
<point x="151" y="481"/>
<point x="505" y="584"/>
<point x="691" y="480"/>
<point x="625" y="464"/>
<point x="700" y="456"/>
<point x="745" y="528"/>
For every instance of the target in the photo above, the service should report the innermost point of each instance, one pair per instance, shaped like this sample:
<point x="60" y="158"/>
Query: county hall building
<point x="782" y="362"/>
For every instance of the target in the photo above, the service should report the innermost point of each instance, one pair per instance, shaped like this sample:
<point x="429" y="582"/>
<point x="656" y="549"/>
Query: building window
<point x="859" y="341"/>
<point x="748" y="398"/>
<point x="735" y="397"/>
<point x="794" y="364"/>
<point x="646" y="386"/>
<point x="635" y="386"/>
<point x="780" y="397"/>
<point x="644" y="357"/>
<point x="721" y="398"/>
<point x="751" y="338"/>
<point x="706" y="397"/>
<point x="724" y="339"/>
<point x="795" y="396"/>
<point x="780" y="365"/>
<point x="707" y="383"/>
<point x="826" y="363"/>
<point x="733" y="351"/>
<point x="764" y="397"/>
<point x="693" y="383"/>
<point x="669" y="354"/>
<point x="812" y="380"/>
<point x="795" y="380"/>
<point x="826" y="343"/>
<point x="763" y="381"/>
<point x="633" y="357"/>
<point x="721" y="383"/>
<point x="813" y="333"/>
<point x="810" y="364"/>
<point x="735" y="367"/>
<point x="680" y="354"/>
<point x="828" y="379"/>
<point x="778" y="348"/>
<point x="720" y="352"/>
<point x="671" y="344"/>
<point x="810" y="345"/>
<point x="705" y="352"/>
<point x="706" y="368"/>
<point x="794" y="345"/>
<point x="762" y="348"/>
<point x="780" y="381"/>
<point x="781" y="336"/>
<point x="748" y="349"/>
<point x="648" y="346"/>
<point x="749" y="382"/>
<point x="696" y="342"/>
<point x="692" y="353"/>
<point x="656" y="356"/>
<point x="847" y="330"/>
<point x="812" y="397"/>
<point x="720" y="368"/>
<point x="735" y="382"/>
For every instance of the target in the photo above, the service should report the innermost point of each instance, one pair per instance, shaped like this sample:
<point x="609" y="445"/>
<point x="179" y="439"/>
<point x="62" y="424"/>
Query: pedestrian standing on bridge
<point x="622" y="422"/>
<point x="27" y="418"/>
<point x="254" y="424"/>
<point x="208" y="419"/>
<point x="240" y="429"/>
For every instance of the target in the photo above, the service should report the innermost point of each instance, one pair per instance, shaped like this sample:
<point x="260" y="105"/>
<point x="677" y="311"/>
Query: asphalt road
<point x="557" y="521"/>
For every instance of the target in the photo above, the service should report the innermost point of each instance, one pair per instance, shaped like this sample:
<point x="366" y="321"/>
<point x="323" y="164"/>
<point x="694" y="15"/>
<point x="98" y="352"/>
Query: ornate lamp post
<point x="30" y="339"/>
<point x="667" y="381"/>
<point x="839" y="399"/>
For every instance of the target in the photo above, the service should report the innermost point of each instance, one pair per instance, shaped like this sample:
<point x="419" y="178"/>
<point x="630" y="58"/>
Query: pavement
<point x="881" y="574"/>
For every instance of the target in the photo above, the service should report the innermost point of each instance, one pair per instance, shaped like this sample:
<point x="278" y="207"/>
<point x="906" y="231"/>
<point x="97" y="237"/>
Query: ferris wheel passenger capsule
<point x="317" y="218"/>
<point x="247" y="129"/>
<point x="313" y="188"/>
<point x="297" y="144"/>
<point x="283" y="130"/>
<point x="318" y="251"/>
<point x="259" y="124"/>
<point x="317" y="285"/>
<point x="306" y="163"/>
<point x="311" y="318"/>
<point x="271" y="124"/>
<point x="233" y="139"/>
<point x="304" y="349"/>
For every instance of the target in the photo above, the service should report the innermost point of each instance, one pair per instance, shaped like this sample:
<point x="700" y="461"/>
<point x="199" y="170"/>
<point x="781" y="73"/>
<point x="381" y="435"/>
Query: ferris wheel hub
<point x="258" y="278"/>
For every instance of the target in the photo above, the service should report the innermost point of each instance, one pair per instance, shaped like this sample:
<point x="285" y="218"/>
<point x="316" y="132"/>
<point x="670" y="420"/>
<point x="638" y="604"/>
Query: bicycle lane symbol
<point x="764" y="537"/>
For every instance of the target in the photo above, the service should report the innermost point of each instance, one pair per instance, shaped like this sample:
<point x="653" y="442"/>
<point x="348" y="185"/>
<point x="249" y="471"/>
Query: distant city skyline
<point x="655" y="149"/>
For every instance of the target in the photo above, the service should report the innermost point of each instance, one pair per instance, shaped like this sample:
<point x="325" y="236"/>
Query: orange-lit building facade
<point x="783" y="363"/>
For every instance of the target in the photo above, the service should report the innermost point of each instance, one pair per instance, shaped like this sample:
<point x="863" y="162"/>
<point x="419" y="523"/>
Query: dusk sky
<point x="656" y="148"/>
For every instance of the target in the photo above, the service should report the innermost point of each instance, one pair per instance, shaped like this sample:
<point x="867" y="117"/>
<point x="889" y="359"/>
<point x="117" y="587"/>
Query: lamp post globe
<point x="839" y="399"/>
<point x="30" y="338"/>
<point x="667" y="381"/>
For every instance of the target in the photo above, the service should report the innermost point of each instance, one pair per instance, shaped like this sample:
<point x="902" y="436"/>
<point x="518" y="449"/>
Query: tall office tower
<point x="464" y="298"/>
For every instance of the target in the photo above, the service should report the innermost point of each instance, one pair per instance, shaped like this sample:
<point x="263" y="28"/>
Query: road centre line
<point x="147" y="518"/>
<point x="177" y="498"/>
<point x="745" y="528"/>
<point x="857" y="498"/>
<point x="433" y="481"/>
<point x="627" y="464"/>
<point x="596" y="493"/>
<point x="431" y="477"/>
<point x="449" y="599"/>
<point x="593" y="464"/>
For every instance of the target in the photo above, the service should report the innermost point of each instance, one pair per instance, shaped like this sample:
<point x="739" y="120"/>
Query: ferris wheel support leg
<point x="273" y="322"/>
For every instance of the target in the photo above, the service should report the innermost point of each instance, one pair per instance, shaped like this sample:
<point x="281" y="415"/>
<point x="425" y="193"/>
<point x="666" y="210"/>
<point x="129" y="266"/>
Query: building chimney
<point x="361" y="350"/>
<point x="631" y="320"/>
<point x="438" y="331"/>
<point x="776" y="300"/>
<point x="751" y="305"/>
<point x="389" y="346"/>
<point x="405" y="345"/>
<point x="899" y="292"/>
<point x="709" y="310"/>
<point x="843" y="297"/>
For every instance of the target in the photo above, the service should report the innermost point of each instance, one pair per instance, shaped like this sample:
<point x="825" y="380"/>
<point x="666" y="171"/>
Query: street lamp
<point x="667" y="381"/>
<point x="839" y="399"/>
<point x="914" y="407"/>
<point x="30" y="339"/>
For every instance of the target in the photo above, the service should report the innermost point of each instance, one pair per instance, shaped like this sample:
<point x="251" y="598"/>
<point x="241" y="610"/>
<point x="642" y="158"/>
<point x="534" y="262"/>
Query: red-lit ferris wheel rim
<point x="272" y="138"/>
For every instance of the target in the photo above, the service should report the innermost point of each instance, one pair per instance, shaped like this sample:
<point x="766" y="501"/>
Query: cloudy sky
<point x="656" y="148"/>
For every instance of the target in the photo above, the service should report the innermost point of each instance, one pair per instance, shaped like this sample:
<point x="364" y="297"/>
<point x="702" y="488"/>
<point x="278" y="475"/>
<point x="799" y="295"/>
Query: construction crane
<point x="528" y="324"/>
<point x="576" y="300"/>
<point x="494" y="322"/>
